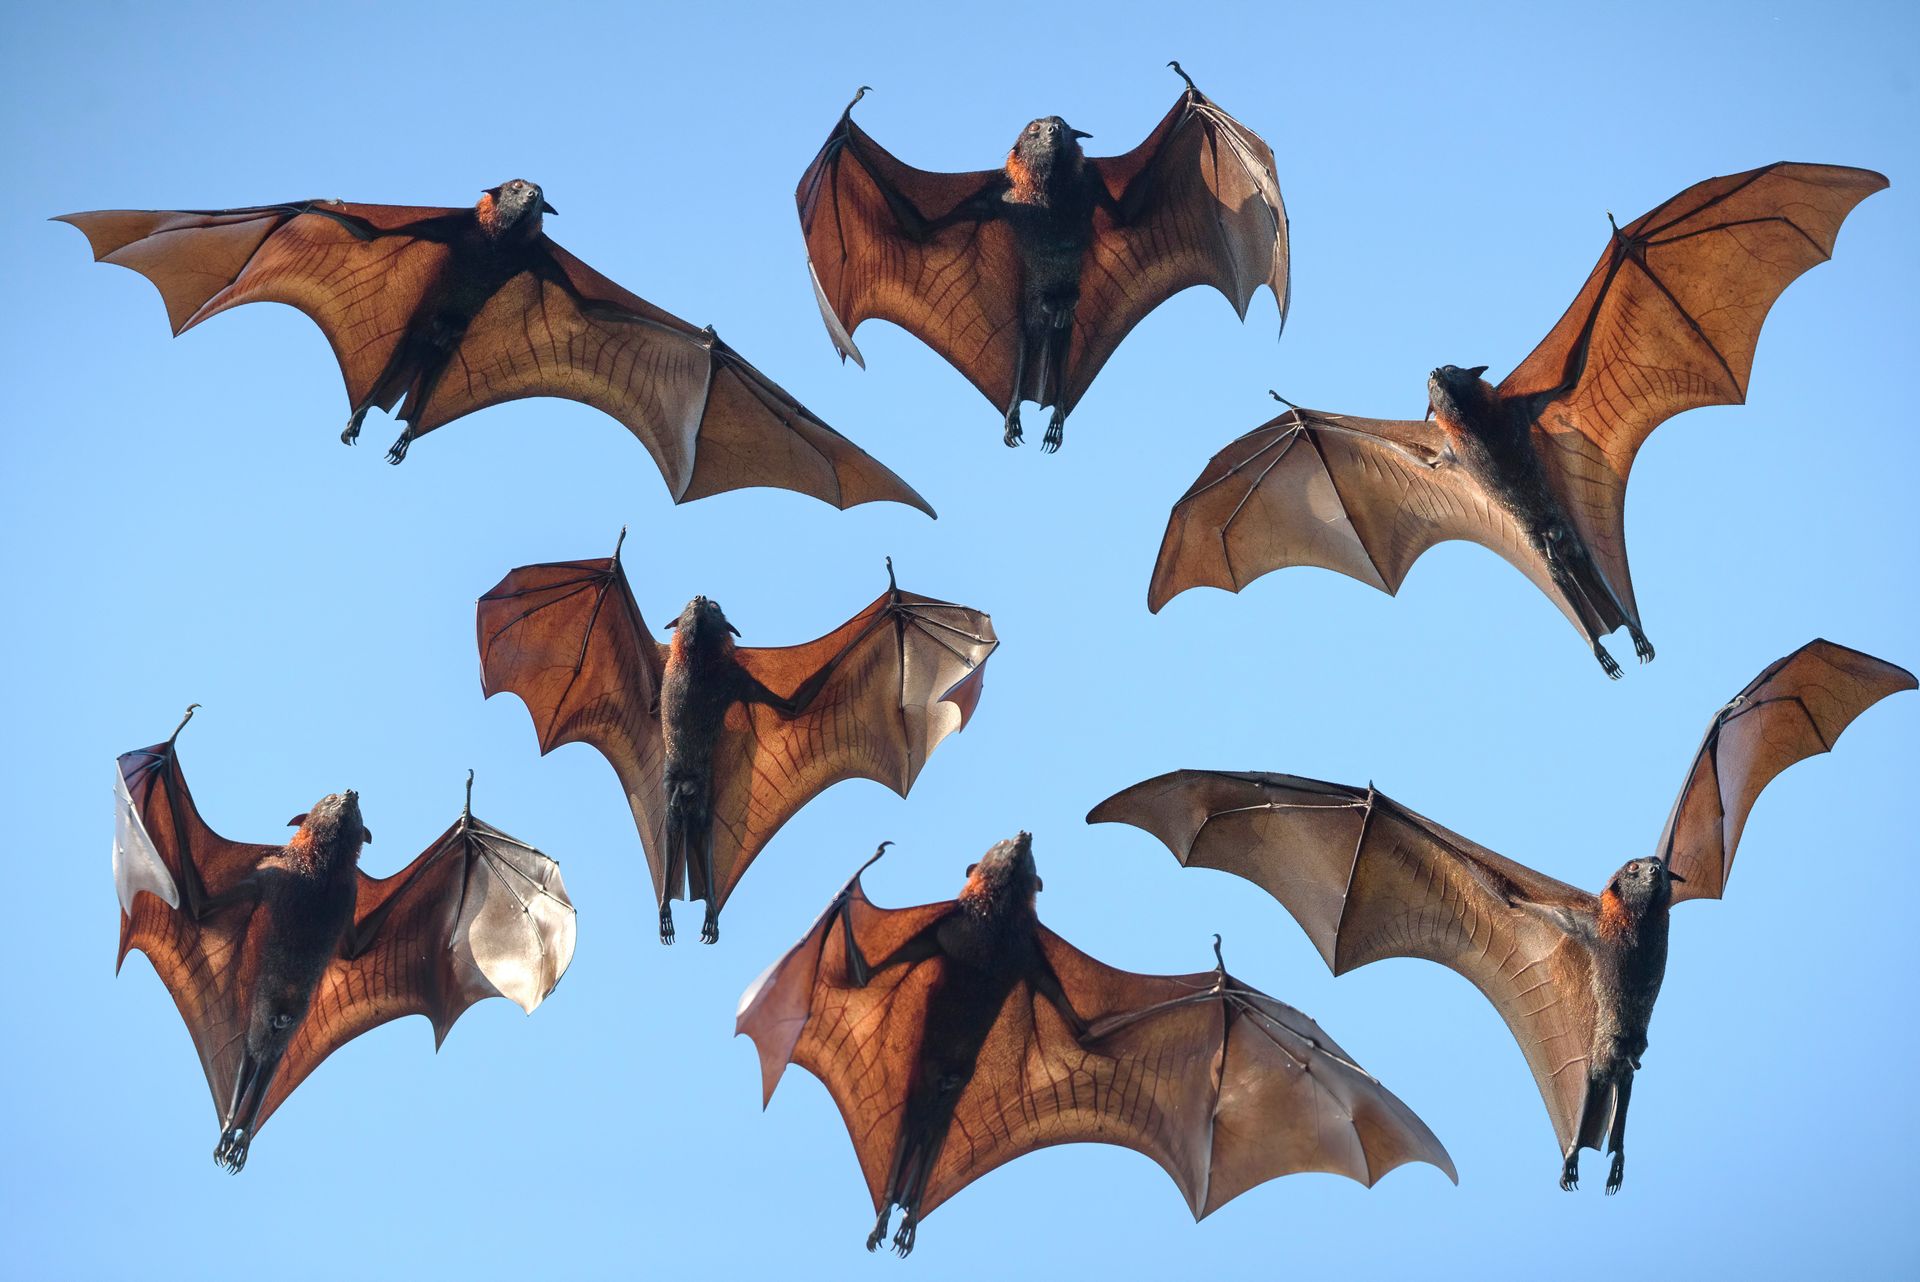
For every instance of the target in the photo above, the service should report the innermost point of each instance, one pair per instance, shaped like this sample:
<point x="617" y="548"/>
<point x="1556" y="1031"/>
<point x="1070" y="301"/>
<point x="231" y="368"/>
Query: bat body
<point x="1027" y="277"/>
<point x="1535" y="468"/>
<point x="717" y="746"/>
<point x="957" y="1036"/>
<point x="278" y="955"/>
<point x="446" y="311"/>
<point x="1574" y="975"/>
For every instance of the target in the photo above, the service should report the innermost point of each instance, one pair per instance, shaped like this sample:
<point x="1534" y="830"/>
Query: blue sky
<point x="184" y="526"/>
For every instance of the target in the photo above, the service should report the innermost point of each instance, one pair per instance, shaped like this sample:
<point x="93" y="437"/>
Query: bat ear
<point x="297" y="820"/>
<point x="732" y="629"/>
<point x="1039" y="883"/>
<point x="546" y="208"/>
<point x="366" y="836"/>
<point x="1477" y="371"/>
<point x="673" y="623"/>
<point x="1079" y="133"/>
<point x="970" y="868"/>
<point x="1674" y="876"/>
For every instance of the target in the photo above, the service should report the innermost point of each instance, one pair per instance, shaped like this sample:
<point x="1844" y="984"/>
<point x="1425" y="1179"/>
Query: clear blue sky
<point x="183" y="525"/>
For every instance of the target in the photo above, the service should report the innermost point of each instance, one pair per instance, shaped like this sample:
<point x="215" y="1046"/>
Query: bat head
<point x="513" y="208"/>
<point x="331" y="833"/>
<point x="1643" y="884"/>
<point x="1045" y="144"/>
<point x="1005" y="876"/>
<point x="1458" y="393"/>
<point x="703" y="623"/>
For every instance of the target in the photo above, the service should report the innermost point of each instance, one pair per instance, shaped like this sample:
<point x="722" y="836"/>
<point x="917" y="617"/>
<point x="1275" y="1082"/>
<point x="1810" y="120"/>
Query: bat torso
<point x="296" y="927"/>
<point x="700" y="681"/>
<point x="1049" y="203"/>
<point x="1629" y="961"/>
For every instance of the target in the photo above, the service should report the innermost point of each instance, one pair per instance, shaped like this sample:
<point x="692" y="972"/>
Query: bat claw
<point x="1013" y="435"/>
<point x="398" y="450"/>
<point x="1642" y="647"/>
<point x="666" y="924"/>
<point x="1056" y="435"/>
<point x="352" y="433"/>
<point x="1607" y="665"/>
<point x="1570" y="1173"/>
<point x="231" y="1153"/>
<point x="1616" y="1173"/>
<point x="710" y="931"/>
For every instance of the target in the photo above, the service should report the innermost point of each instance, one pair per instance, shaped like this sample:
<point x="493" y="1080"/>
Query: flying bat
<point x="1574" y="975"/>
<point x="1025" y="278"/>
<point x="959" y="1035"/>
<point x="447" y="311"/>
<point x="279" y="955"/>
<point x="1536" y="468"/>
<point x="717" y="746"/>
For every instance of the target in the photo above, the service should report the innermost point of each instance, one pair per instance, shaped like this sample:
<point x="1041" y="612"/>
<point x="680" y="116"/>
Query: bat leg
<point x="1013" y="434"/>
<point x="879" y="1234"/>
<point x="1056" y="432"/>
<point x="710" y="927"/>
<point x="1642" y="647"/>
<point x="398" y="450"/>
<point x="666" y="922"/>
<point x="1617" y="1137"/>
<point x="1607" y="664"/>
<point x="1058" y="339"/>
<point x="1570" y="1170"/>
<point x="352" y="433"/>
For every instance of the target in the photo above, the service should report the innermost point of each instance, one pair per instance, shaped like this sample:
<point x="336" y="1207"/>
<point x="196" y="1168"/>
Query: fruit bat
<point x="1025" y="278"/>
<point x="1536" y="468"/>
<point x="279" y="955"/>
<point x="453" y="310"/>
<point x="718" y="746"/>
<point x="959" y="1035"/>
<point x="1574" y="975"/>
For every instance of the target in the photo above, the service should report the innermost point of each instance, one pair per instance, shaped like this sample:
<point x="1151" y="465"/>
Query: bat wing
<point x="711" y="421"/>
<point x="920" y="249"/>
<point x="360" y="272"/>
<point x="1195" y="204"/>
<point x="892" y="682"/>
<point x="1668" y="322"/>
<point x="567" y="637"/>
<point x="1367" y="879"/>
<point x="1362" y="496"/>
<point x="478" y="914"/>
<point x="171" y="870"/>
<point x="1793" y="710"/>
<point x="1221" y="1085"/>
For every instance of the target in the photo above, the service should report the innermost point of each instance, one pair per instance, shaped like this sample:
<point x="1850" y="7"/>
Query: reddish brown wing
<point x="1794" y="710"/>
<point x="711" y="421"/>
<point x="893" y="681"/>
<point x="169" y="867"/>
<point x="568" y="638"/>
<point x="1368" y="879"/>
<point x="479" y="914"/>
<point x="1668" y="321"/>
<point x="1362" y="496"/>
<point x="871" y="253"/>
<point x="360" y="272"/>
<point x="1197" y="203"/>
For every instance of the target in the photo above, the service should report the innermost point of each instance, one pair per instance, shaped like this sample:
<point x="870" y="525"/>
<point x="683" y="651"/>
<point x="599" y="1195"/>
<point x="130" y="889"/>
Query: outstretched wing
<point x="711" y="421"/>
<point x="1668" y="322"/>
<point x="891" y="242"/>
<point x="1362" y="496"/>
<point x="170" y="868"/>
<point x="568" y="638"/>
<point x="1369" y="879"/>
<point x="360" y="272"/>
<point x="1197" y="203"/>
<point x="479" y="914"/>
<point x="891" y="682"/>
<point x="1793" y="710"/>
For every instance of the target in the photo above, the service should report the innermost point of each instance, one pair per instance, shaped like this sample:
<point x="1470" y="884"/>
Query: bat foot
<point x="231" y="1153"/>
<point x="352" y="433"/>
<point x="666" y="924"/>
<point x="398" y="450"/>
<point x="1616" y="1173"/>
<point x="1642" y="647"/>
<point x="879" y="1234"/>
<point x="1607" y="665"/>
<point x="1056" y="434"/>
<point x="903" y="1240"/>
<point x="710" y="930"/>
<point x="1570" y="1172"/>
<point x="1013" y="435"/>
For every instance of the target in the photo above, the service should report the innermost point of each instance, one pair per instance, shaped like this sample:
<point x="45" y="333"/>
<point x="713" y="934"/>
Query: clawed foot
<point x="1642" y="647"/>
<point x="1614" y="1175"/>
<point x="1014" y="434"/>
<point x="1570" y="1172"/>
<point x="232" y="1150"/>
<point x="352" y="433"/>
<point x="666" y="925"/>
<point x="1607" y="665"/>
<point x="710" y="930"/>
<point x="903" y="1240"/>
<point x="879" y="1234"/>
<point x="398" y="450"/>
<point x="1056" y="433"/>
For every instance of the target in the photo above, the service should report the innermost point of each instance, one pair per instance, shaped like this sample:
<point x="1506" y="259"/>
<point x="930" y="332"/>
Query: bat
<point x="279" y="955"/>
<point x="1025" y="278"/>
<point x="1536" y="468"/>
<point x="715" y="746"/>
<point x="447" y="311"/>
<point x="959" y="1035"/>
<point x="1574" y="975"/>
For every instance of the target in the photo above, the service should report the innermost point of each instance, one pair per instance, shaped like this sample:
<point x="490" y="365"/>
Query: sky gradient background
<point x="184" y="526"/>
